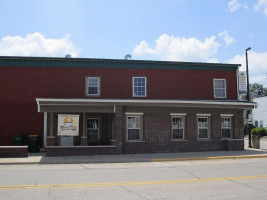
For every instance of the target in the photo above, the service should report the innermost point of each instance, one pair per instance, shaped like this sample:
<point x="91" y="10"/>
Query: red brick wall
<point x="20" y="86"/>
<point x="25" y="84"/>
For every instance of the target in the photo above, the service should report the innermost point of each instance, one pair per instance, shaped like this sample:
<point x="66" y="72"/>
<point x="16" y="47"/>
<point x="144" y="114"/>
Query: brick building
<point x="106" y="106"/>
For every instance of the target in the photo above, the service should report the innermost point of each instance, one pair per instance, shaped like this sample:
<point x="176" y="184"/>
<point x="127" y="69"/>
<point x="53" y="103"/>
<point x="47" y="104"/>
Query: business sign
<point x="242" y="81"/>
<point x="68" y="125"/>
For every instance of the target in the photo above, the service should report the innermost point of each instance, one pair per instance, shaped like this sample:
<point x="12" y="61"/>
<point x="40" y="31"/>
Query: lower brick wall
<point x="53" y="151"/>
<point x="157" y="134"/>
<point x="13" y="151"/>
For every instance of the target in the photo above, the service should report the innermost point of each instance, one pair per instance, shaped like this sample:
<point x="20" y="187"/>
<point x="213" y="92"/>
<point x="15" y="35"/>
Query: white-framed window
<point x="219" y="86"/>
<point x="134" y="126"/>
<point x="92" y="128"/>
<point x="256" y="123"/>
<point x="261" y="123"/>
<point x="203" y="127"/>
<point x="178" y="127"/>
<point x="139" y="86"/>
<point x="226" y="127"/>
<point x="93" y="86"/>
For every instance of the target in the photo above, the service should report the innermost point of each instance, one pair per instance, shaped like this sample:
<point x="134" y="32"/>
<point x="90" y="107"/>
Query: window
<point x="177" y="127"/>
<point x="93" y="86"/>
<point x="226" y="127"/>
<point x="139" y="86"/>
<point x="134" y="127"/>
<point x="256" y="123"/>
<point x="203" y="127"/>
<point x="92" y="129"/>
<point x="219" y="88"/>
<point x="261" y="123"/>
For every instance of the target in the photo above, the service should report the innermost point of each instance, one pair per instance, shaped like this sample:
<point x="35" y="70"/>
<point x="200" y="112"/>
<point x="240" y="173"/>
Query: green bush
<point x="259" y="131"/>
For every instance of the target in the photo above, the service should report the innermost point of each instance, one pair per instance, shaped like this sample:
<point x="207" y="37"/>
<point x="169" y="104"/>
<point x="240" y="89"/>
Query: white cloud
<point x="257" y="63"/>
<point x="261" y="6"/>
<point x="234" y="5"/>
<point x="36" y="44"/>
<point x="180" y="49"/>
<point x="228" y="39"/>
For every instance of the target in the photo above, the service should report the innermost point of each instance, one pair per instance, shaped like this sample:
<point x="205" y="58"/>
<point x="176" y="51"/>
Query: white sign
<point x="68" y="125"/>
<point x="242" y="81"/>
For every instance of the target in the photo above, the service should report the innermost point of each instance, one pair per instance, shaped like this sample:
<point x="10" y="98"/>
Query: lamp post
<point x="249" y="126"/>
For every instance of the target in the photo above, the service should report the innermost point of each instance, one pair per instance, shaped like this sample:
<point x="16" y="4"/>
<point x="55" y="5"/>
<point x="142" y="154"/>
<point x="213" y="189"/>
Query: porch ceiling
<point x="107" y="105"/>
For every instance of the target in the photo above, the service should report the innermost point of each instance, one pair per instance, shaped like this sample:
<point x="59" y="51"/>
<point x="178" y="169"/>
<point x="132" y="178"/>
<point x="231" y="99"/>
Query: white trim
<point x="133" y="113"/>
<point x="226" y="115"/>
<point x="133" y="86"/>
<point x="45" y="127"/>
<point x="178" y="114"/>
<point x="203" y="115"/>
<point x="98" y="86"/>
<point x="49" y="101"/>
<point x="225" y="94"/>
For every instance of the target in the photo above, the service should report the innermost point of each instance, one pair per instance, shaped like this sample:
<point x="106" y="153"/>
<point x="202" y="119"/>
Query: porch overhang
<point x="108" y="105"/>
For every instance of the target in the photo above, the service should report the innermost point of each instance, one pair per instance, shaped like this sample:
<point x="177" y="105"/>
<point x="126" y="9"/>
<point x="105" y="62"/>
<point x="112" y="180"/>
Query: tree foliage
<point x="258" y="89"/>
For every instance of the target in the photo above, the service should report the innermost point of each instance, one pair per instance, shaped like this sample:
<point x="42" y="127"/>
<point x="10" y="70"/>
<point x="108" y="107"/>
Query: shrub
<point x="259" y="131"/>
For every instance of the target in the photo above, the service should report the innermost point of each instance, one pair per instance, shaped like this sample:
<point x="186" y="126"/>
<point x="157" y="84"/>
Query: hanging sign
<point x="242" y="81"/>
<point x="68" y="125"/>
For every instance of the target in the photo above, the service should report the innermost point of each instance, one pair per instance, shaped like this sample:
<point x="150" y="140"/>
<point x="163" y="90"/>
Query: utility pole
<point x="248" y="92"/>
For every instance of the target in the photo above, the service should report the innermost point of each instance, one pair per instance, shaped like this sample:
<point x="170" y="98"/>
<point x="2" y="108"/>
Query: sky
<point x="174" y="30"/>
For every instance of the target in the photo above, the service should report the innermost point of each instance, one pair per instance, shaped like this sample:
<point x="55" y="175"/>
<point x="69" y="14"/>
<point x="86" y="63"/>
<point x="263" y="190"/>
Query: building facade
<point x="103" y="106"/>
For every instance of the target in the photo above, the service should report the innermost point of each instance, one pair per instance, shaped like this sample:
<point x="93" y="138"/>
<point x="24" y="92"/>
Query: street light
<point x="249" y="127"/>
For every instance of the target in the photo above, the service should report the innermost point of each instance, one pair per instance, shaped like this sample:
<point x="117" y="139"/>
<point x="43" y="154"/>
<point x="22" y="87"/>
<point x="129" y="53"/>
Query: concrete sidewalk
<point x="39" y="158"/>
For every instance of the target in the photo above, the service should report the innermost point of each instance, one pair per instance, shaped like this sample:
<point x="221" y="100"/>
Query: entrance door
<point x="93" y="129"/>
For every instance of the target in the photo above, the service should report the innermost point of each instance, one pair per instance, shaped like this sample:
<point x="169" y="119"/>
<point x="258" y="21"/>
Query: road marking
<point x="209" y="158"/>
<point x="131" y="183"/>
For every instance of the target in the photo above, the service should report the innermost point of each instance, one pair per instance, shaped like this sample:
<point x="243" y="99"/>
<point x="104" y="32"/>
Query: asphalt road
<point x="214" y="179"/>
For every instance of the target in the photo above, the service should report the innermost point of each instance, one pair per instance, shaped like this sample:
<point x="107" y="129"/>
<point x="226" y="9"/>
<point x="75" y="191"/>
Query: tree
<point x="258" y="89"/>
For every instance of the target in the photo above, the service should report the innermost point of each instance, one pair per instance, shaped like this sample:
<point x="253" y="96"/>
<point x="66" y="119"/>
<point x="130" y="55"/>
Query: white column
<point x="45" y="128"/>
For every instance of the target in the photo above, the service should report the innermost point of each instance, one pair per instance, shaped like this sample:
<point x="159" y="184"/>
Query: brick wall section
<point x="119" y="128"/>
<point x="157" y="136"/>
<point x="13" y="151"/>
<point x="79" y="151"/>
<point x="22" y="85"/>
<point x="50" y="141"/>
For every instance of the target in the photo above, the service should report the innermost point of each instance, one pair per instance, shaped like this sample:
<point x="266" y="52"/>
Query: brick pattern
<point x="50" y="141"/>
<point x="119" y="127"/>
<point x="79" y="151"/>
<point x="7" y="152"/>
<point x="157" y="136"/>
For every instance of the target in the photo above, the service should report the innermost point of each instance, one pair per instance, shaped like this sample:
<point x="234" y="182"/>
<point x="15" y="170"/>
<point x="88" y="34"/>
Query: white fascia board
<point x="40" y="100"/>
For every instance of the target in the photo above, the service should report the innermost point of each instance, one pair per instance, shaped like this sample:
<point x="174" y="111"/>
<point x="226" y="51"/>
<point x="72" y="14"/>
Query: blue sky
<point x="180" y="30"/>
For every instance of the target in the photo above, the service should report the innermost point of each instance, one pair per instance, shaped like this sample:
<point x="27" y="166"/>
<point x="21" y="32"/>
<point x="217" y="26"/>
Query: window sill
<point x="179" y="140"/>
<point x="199" y="139"/>
<point x="135" y="141"/>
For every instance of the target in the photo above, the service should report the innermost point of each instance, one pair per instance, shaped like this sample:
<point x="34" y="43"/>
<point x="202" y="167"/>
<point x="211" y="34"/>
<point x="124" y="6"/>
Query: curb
<point x="135" y="160"/>
<point x="210" y="158"/>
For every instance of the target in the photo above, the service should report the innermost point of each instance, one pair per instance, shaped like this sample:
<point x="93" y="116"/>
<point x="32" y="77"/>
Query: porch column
<point x="45" y="127"/>
<point x="84" y="136"/>
<point x="119" y="127"/>
<point x="51" y="140"/>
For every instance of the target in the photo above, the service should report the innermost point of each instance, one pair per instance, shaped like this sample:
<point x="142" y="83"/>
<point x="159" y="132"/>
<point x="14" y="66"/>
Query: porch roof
<point x="108" y="105"/>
